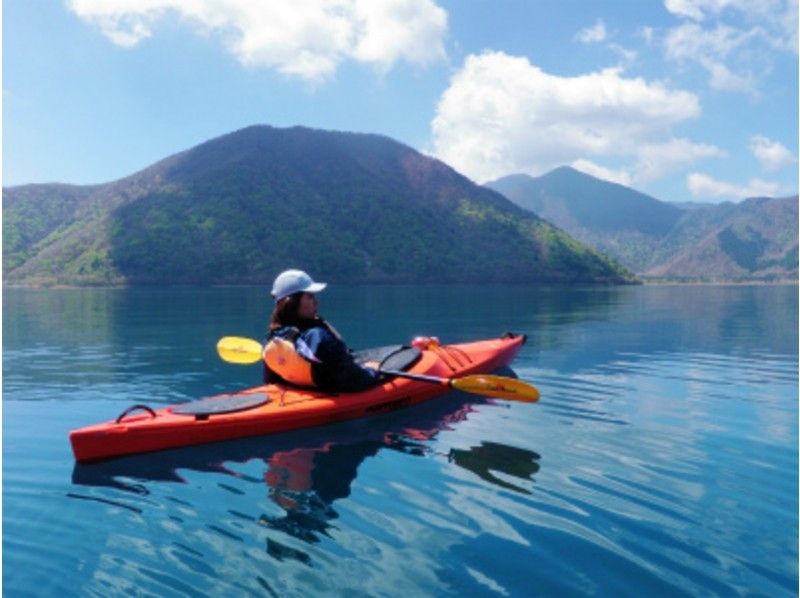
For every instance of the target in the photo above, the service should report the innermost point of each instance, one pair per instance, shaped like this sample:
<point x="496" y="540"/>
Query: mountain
<point x="242" y="207"/>
<point x="755" y="240"/>
<point x="568" y="194"/>
<point x="612" y="218"/>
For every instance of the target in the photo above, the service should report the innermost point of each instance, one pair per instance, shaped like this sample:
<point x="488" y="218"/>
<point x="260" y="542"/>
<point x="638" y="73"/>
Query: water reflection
<point x="308" y="471"/>
<point x="704" y="379"/>
<point x="495" y="457"/>
<point x="93" y="339"/>
<point x="305" y="482"/>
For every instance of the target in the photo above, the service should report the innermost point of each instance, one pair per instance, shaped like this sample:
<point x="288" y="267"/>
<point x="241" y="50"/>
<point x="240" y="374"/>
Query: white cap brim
<point x="316" y="287"/>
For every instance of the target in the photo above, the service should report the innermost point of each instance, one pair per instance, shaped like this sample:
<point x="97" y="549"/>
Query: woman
<point x="302" y="349"/>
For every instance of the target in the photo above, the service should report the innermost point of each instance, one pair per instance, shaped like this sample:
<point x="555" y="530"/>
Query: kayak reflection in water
<point x="302" y="349"/>
<point x="305" y="482"/>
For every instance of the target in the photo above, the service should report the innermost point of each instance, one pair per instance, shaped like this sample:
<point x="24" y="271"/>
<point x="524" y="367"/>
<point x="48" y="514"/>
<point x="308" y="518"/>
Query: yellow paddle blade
<point x="499" y="387"/>
<point x="236" y="349"/>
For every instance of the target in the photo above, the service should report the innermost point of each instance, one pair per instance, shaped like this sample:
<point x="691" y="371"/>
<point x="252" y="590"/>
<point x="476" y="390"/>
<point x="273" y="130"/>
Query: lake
<point x="661" y="460"/>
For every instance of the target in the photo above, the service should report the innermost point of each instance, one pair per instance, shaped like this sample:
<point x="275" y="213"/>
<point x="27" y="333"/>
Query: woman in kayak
<point x="302" y="348"/>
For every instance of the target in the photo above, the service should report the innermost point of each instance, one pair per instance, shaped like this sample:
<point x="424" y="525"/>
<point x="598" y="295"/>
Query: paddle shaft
<point x="420" y="377"/>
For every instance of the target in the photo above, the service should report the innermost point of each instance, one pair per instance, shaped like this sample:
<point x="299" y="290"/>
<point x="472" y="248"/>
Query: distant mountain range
<point x="240" y="208"/>
<point x="755" y="240"/>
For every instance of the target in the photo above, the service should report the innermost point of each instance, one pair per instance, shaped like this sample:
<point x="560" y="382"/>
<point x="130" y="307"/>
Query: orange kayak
<point x="270" y="408"/>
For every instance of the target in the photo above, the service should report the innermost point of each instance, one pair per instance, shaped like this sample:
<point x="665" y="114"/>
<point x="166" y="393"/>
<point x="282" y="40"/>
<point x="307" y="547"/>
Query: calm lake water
<point x="661" y="460"/>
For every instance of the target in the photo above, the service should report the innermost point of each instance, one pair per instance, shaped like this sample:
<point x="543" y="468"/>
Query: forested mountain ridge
<point x="755" y="240"/>
<point x="242" y="207"/>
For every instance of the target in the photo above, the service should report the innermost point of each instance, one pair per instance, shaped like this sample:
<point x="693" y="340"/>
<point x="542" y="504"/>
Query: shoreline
<point x="639" y="282"/>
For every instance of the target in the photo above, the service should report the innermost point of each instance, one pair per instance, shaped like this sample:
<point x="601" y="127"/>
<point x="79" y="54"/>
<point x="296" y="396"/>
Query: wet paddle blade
<point x="499" y="387"/>
<point x="236" y="349"/>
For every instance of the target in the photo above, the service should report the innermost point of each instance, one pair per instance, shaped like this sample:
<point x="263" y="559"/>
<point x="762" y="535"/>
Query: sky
<point x="686" y="100"/>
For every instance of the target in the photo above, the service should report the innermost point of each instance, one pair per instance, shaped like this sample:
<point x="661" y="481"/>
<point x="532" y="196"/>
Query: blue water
<point x="661" y="460"/>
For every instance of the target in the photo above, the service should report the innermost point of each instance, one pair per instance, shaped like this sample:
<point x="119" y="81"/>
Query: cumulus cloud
<point x="303" y="38"/>
<point x="704" y="186"/>
<point x="501" y="114"/>
<point x="772" y="155"/>
<point x="594" y="34"/>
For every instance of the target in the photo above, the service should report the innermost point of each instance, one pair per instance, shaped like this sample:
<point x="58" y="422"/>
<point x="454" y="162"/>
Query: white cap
<point x="294" y="281"/>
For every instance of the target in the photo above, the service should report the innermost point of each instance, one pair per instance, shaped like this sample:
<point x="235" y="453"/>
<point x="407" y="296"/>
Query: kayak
<point x="270" y="408"/>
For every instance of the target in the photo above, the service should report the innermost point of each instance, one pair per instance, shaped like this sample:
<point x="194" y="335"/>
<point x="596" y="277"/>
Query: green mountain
<point x="755" y="240"/>
<point x="242" y="207"/>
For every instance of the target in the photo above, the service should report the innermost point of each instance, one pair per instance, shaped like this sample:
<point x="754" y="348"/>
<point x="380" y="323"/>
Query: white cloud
<point x="691" y="41"/>
<point x="601" y="172"/>
<point x="699" y="10"/>
<point x="303" y="38"/>
<point x="711" y="48"/>
<point x="736" y="48"/>
<point x="771" y="154"/>
<point x="501" y="115"/>
<point x="412" y="30"/>
<point x="723" y="79"/>
<point x="787" y="26"/>
<point x="654" y="160"/>
<point x="594" y="34"/>
<point x="628" y="56"/>
<point x="706" y="187"/>
<point x="597" y="33"/>
<point x="685" y="8"/>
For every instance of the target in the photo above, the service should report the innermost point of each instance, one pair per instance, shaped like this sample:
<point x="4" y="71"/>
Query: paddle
<point x="498" y="387"/>
<point x="236" y="349"/>
<point x="239" y="350"/>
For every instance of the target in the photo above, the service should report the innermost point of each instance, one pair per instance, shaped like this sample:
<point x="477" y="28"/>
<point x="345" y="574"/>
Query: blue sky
<point x="683" y="99"/>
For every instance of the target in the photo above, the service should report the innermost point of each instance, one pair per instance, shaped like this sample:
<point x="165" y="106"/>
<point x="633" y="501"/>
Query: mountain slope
<point x="754" y="240"/>
<point x="31" y="213"/>
<point x="240" y="208"/>
<point x="621" y="208"/>
<point x="612" y="218"/>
